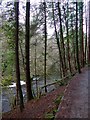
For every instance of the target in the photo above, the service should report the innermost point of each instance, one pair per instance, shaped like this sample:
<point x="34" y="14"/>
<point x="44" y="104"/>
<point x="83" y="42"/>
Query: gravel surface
<point x="75" y="101"/>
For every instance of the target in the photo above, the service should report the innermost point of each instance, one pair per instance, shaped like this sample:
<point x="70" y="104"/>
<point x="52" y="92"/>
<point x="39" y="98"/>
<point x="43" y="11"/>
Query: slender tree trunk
<point x="58" y="44"/>
<point x="77" y="50"/>
<point x="45" y="59"/>
<point x="27" y="49"/>
<point x="19" y="90"/>
<point x="2" y="62"/>
<point x="83" y="62"/>
<point x="73" y="42"/>
<point x="36" y="67"/>
<point x="62" y="39"/>
<point x="68" y="47"/>
<point x="23" y="60"/>
<point x="86" y="38"/>
<point x="89" y="37"/>
<point x="81" y="33"/>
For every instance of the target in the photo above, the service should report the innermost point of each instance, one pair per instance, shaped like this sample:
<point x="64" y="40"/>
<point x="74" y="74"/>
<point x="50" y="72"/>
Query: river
<point x="8" y="93"/>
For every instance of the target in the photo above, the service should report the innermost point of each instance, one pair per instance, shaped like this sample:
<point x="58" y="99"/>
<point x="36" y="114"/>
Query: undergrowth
<point x="51" y="115"/>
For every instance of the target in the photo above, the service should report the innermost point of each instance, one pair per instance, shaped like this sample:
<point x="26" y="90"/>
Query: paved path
<point x="75" y="102"/>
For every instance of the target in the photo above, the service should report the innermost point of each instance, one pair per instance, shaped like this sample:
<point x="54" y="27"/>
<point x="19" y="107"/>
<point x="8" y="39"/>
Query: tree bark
<point x="27" y="50"/>
<point x="89" y="37"/>
<point x="73" y="43"/>
<point x="86" y="38"/>
<point x="18" y="85"/>
<point x="68" y="47"/>
<point x="23" y="60"/>
<point x="77" y="50"/>
<point x="45" y="59"/>
<point x="81" y="33"/>
<point x="58" y="44"/>
<point x="36" y="66"/>
<point x="62" y="39"/>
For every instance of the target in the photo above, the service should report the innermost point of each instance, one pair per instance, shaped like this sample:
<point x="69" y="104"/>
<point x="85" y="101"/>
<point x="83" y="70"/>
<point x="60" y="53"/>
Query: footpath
<point x="76" y="102"/>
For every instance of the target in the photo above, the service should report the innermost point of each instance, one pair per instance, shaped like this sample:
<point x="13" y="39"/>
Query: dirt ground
<point x="75" y="101"/>
<point x="73" y="105"/>
<point x="36" y="108"/>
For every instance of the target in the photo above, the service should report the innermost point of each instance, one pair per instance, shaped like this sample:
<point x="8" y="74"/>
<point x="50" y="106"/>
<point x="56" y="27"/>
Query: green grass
<point x="51" y="115"/>
<point x="58" y="99"/>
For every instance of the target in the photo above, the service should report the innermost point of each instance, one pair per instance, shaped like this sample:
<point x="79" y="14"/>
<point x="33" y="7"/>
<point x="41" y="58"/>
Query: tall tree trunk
<point x="81" y="33"/>
<point x="86" y="37"/>
<point x="77" y="50"/>
<point x="62" y="39"/>
<point x="45" y="59"/>
<point x="22" y="55"/>
<point x="58" y="44"/>
<point x="89" y="37"/>
<point x="2" y="62"/>
<point x="73" y="43"/>
<point x="19" y="90"/>
<point x="36" y="67"/>
<point x="27" y="49"/>
<point x="68" y="47"/>
<point x="83" y="60"/>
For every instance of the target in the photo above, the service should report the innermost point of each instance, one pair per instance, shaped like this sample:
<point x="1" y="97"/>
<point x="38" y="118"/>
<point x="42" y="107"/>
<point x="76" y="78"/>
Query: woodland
<point x="45" y="41"/>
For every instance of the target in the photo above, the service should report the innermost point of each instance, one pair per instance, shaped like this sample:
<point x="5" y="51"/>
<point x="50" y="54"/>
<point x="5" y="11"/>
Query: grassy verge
<point x="51" y="115"/>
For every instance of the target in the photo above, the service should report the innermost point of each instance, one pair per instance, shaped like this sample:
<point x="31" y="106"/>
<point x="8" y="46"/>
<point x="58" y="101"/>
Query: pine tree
<point x="86" y="37"/>
<point x="68" y="47"/>
<point x="77" y="50"/>
<point x="62" y="40"/>
<point x="58" y="44"/>
<point x="81" y="33"/>
<point x="19" y="90"/>
<point x="89" y="37"/>
<point x="27" y="50"/>
<point x="45" y="31"/>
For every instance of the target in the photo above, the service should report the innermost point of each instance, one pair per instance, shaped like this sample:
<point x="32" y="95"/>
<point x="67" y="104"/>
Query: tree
<point x="89" y="37"/>
<point x="68" y="46"/>
<point x="73" y="41"/>
<point x="77" y="50"/>
<point x="8" y="29"/>
<point x="45" y="59"/>
<point x="19" y="90"/>
<point x="86" y="37"/>
<point x="36" y="66"/>
<point x="62" y="40"/>
<point x="81" y="33"/>
<point x="27" y="51"/>
<point x="58" y="44"/>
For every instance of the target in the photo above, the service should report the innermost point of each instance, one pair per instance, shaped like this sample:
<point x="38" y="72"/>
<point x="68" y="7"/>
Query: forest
<point x="42" y="45"/>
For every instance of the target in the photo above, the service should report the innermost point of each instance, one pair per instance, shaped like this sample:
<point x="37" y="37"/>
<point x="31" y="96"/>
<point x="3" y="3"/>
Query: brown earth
<point x="75" y="101"/>
<point x="73" y="105"/>
<point x="36" y="108"/>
